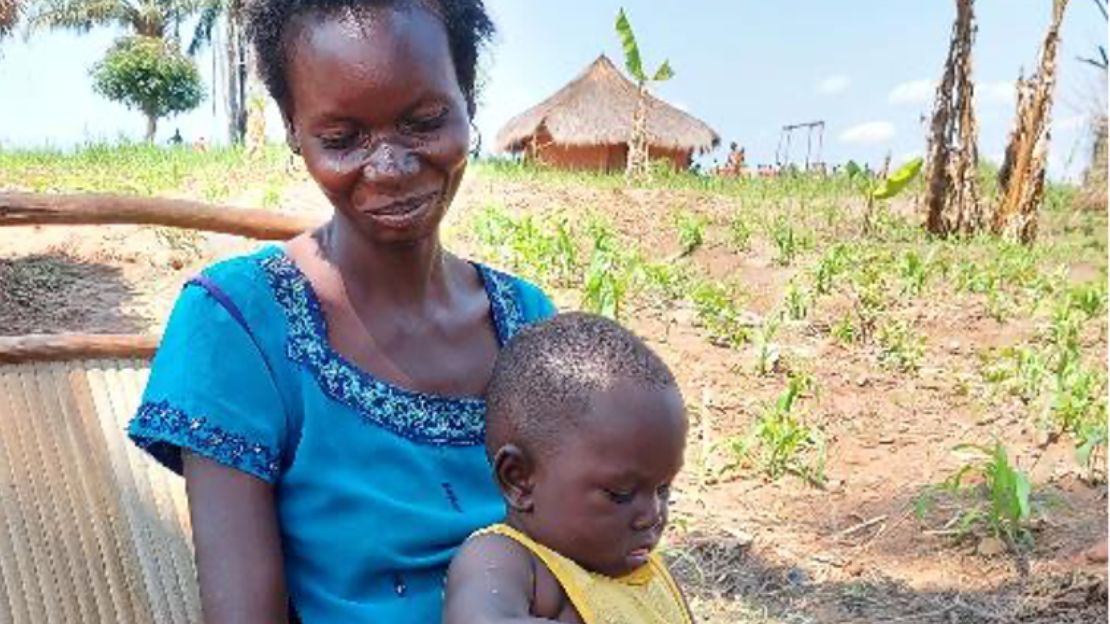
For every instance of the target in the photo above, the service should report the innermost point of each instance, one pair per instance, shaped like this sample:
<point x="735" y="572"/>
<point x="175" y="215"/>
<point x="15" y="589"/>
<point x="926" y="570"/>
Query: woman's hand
<point x="238" y="545"/>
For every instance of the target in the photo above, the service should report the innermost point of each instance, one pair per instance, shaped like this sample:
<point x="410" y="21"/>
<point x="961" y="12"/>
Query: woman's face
<point x="379" y="118"/>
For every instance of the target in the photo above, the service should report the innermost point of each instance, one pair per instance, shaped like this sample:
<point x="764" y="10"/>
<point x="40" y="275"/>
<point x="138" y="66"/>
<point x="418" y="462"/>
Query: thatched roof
<point x="596" y="108"/>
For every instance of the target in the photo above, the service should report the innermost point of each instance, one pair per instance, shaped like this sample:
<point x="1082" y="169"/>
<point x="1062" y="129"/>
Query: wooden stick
<point x="103" y="209"/>
<point x="50" y="347"/>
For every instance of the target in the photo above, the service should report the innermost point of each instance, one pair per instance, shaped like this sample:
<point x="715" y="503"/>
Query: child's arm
<point x="491" y="581"/>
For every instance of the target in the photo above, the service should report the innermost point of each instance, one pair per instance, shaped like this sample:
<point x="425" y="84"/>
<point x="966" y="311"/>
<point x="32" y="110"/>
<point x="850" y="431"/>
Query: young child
<point x="585" y="431"/>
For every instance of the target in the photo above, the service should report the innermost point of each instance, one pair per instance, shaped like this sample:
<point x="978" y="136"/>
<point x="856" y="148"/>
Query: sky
<point x="867" y="68"/>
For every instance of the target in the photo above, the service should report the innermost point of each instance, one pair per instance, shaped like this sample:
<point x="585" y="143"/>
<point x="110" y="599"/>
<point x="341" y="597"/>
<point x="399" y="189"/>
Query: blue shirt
<point x="376" y="485"/>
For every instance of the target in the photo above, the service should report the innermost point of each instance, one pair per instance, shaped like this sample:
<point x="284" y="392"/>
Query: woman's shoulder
<point x="533" y="302"/>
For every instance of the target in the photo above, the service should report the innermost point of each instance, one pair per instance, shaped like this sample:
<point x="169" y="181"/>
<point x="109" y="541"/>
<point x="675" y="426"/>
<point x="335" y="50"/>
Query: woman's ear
<point x="515" y="473"/>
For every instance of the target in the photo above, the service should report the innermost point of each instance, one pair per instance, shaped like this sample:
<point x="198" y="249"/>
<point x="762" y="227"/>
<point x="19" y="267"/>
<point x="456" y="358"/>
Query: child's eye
<point x="621" y="497"/>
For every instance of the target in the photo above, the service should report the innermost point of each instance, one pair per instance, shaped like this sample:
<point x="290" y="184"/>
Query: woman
<point x="323" y="400"/>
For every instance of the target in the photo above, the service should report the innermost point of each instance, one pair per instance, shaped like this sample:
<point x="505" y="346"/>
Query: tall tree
<point x="637" y="164"/>
<point x="1021" y="177"/>
<point x="952" y="199"/>
<point x="236" y="56"/>
<point x="9" y="15"/>
<point x="151" y="75"/>
<point x="149" y="18"/>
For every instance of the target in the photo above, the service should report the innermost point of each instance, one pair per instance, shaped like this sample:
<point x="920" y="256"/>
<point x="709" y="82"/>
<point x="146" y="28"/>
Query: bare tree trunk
<point x="952" y="199"/>
<point x="236" y="79"/>
<point x="637" y="164"/>
<point x="1021" y="178"/>
<point x="151" y="127"/>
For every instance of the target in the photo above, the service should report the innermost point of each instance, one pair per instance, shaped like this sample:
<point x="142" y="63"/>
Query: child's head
<point x="586" y="430"/>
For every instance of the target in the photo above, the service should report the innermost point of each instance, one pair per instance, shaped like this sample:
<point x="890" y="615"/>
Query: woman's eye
<point x="337" y="141"/>
<point x="621" y="497"/>
<point x="426" y="122"/>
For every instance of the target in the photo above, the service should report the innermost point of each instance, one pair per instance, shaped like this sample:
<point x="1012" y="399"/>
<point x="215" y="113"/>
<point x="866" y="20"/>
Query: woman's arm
<point x="238" y="546"/>
<point x="491" y="581"/>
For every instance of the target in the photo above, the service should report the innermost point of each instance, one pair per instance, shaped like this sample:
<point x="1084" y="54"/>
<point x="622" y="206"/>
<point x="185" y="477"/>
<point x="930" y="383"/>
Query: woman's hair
<point x="467" y="24"/>
<point x="546" y="377"/>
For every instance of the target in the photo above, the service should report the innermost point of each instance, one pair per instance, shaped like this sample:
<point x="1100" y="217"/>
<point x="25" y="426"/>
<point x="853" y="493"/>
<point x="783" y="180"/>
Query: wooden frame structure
<point x="92" y="530"/>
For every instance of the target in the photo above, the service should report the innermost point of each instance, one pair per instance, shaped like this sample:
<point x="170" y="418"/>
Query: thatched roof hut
<point x="586" y="125"/>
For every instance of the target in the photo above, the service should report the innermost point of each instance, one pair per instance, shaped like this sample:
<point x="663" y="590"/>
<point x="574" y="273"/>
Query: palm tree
<point x="150" y="18"/>
<point x="638" y="139"/>
<point x="9" y="15"/>
<point x="236" y="51"/>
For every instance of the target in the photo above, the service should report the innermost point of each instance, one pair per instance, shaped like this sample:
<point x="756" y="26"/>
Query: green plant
<point x="831" y="265"/>
<point x="875" y="189"/>
<point x="899" y="347"/>
<point x="151" y="75"/>
<point x="843" y="331"/>
<point x="767" y="352"/>
<point x="999" y="500"/>
<point x="718" y="312"/>
<point x="797" y="301"/>
<point x="670" y="280"/>
<point x="913" y="270"/>
<point x="782" y="442"/>
<point x="691" y="231"/>
<point x="1021" y="371"/>
<point x="786" y="241"/>
<point x="740" y="234"/>
<point x="1090" y="298"/>
<point x="637" y="143"/>
<point x="610" y="274"/>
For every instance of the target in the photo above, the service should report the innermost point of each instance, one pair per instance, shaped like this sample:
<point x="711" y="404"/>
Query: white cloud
<point x="912" y="92"/>
<point x="997" y="92"/>
<point x="682" y="106"/>
<point x="834" y="84"/>
<point x="870" y="133"/>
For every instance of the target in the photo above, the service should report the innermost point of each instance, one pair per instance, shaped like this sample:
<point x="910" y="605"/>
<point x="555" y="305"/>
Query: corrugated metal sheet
<point x="90" y="529"/>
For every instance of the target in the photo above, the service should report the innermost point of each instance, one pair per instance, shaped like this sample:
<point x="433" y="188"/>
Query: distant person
<point x="200" y="145"/>
<point x="585" y="431"/>
<point x="734" y="165"/>
<point x="176" y="139"/>
<point x="325" y="398"/>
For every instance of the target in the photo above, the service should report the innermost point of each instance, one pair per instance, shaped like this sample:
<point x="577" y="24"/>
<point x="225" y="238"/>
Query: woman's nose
<point x="389" y="164"/>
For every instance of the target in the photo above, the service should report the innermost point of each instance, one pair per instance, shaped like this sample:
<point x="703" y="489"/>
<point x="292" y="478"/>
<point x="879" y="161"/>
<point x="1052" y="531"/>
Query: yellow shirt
<point x="647" y="595"/>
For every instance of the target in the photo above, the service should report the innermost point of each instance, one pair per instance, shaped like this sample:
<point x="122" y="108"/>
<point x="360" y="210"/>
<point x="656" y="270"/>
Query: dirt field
<point x="748" y="548"/>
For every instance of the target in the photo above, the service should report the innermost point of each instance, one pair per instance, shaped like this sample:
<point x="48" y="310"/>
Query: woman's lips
<point x="401" y="212"/>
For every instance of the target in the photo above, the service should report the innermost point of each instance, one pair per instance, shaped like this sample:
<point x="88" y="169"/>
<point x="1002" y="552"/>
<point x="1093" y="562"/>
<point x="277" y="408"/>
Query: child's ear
<point x="515" y="475"/>
<point x="291" y="139"/>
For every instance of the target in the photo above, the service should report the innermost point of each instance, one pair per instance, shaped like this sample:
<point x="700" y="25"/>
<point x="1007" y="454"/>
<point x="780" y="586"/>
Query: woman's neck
<point x="403" y="274"/>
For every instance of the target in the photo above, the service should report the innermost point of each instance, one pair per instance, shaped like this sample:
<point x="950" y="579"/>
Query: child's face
<point x="600" y="498"/>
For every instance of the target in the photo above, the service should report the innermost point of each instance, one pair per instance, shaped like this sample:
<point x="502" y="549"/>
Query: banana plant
<point x="637" y="141"/>
<point x="881" y="188"/>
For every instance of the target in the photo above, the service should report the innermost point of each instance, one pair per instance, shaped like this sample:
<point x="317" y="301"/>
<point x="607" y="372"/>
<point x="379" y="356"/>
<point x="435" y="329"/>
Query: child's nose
<point x="651" y="515"/>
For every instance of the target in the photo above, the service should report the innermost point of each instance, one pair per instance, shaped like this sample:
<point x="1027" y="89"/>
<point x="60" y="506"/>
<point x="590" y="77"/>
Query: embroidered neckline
<point x="162" y="430"/>
<point x="421" y="417"/>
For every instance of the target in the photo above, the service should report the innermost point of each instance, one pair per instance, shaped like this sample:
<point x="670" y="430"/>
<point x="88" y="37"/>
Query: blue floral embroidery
<point x="161" y="429"/>
<point x="424" y="418"/>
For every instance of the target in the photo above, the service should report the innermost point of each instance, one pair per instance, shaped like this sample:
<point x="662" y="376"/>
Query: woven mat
<point x="91" y="530"/>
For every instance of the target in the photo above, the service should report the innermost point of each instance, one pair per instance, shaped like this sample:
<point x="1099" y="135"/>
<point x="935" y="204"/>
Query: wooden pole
<point x="100" y="209"/>
<point x="51" y="347"/>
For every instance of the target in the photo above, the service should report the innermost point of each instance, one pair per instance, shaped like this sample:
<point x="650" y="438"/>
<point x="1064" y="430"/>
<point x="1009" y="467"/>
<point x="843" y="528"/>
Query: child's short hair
<point x="546" y="376"/>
